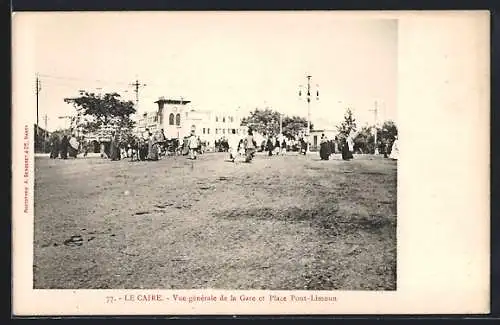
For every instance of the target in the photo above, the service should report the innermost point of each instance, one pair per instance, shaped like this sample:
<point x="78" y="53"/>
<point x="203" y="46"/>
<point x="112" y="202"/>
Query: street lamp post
<point x="308" y="99"/>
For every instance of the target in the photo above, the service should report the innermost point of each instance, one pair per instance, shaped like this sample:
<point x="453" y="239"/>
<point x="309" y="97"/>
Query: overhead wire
<point x="104" y="81"/>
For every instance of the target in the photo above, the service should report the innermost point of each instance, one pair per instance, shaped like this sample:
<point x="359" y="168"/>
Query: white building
<point x="178" y="117"/>
<point x="315" y="136"/>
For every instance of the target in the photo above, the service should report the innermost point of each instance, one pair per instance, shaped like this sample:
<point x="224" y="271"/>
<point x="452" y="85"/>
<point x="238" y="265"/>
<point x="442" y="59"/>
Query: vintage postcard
<point x="230" y="163"/>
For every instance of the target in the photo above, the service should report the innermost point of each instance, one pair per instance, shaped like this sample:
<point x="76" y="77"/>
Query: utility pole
<point x="45" y="134"/>
<point x="375" y="113"/>
<point x="38" y="88"/>
<point x="137" y="85"/>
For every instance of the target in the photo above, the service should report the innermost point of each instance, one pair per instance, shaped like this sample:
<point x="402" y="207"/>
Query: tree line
<point x="364" y="141"/>
<point x="267" y="122"/>
<point x="111" y="111"/>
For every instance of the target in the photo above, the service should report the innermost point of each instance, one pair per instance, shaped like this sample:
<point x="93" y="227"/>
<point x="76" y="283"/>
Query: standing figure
<point x="162" y="143"/>
<point x="142" y="149"/>
<point x="115" y="147"/>
<point x="199" y="149"/>
<point x="324" y="151"/>
<point x="73" y="147"/>
<point x="64" y="147"/>
<point x="331" y="145"/>
<point x="270" y="146"/>
<point x="241" y="148"/>
<point x="394" y="150"/>
<point x="192" y="145"/>
<point x="303" y="146"/>
<point x="277" y="146"/>
<point x="234" y="142"/>
<point x="145" y="136"/>
<point x="54" y="146"/>
<point x="86" y="148"/>
<point x="350" y="142"/>
<point x="348" y="146"/>
<point x="283" y="147"/>
<point x="152" y="147"/>
<point x="250" y="146"/>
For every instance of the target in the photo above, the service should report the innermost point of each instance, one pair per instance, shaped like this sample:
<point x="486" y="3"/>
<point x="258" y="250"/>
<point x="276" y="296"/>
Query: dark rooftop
<point x="172" y="101"/>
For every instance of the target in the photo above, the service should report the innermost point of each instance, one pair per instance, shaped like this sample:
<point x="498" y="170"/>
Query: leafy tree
<point x="364" y="141"/>
<point x="386" y="136"/>
<point x="294" y="125"/>
<point x="347" y="125"/>
<point x="267" y="121"/>
<point x="102" y="110"/>
<point x="263" y="121"/>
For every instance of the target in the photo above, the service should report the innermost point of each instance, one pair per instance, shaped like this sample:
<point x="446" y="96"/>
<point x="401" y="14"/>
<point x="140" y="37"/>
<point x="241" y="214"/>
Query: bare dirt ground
<point x="279" y="223"/>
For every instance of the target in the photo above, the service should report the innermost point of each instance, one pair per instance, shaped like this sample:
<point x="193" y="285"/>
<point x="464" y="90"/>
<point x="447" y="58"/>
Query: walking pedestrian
<point x="250" y="146"/>
<point x="193" y="145"/>
<point x="64" y="147"/>
<point x="394" y="155"/>
<point x="54" y="146"/>
<point x="114" y="147"/>
<point x="277" y="146"/>
<point x="303" y="146"/>
<point x="270" y="146"/>
<point x="348" y="146"/>
<point x="152" y="147"/>
<point x="283" y="147"/>
<point x="234" y="142"/>
<point x="324" y="151"/>
<point x="73" y="147"/>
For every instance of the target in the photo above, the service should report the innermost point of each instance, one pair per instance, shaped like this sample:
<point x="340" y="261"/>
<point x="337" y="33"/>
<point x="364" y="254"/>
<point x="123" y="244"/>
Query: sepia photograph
<point x="215" y="151"/>
<point x="242" y="163"/>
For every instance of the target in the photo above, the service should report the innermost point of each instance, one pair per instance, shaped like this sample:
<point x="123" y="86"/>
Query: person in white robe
<point x="394" y="150"/>
<point x="233" y="142"/>
<point x="193" y="145"/>
<point x="74" y="145"/>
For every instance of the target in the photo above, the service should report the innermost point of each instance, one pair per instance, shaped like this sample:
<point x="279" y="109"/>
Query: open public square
<point x="289" y="222"/>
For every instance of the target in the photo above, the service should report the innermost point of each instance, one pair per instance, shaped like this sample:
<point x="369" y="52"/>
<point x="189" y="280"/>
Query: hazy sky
<point x="219" y="60"/>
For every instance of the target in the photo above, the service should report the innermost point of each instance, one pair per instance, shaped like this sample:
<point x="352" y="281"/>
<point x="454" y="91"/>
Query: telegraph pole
<point x="375" y="113"/>
<point x="45" y="134"/>
<point x="137" y="85"/>
<point x="38" y="88"/>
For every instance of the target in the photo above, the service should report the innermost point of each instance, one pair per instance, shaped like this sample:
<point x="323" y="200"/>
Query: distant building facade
<point x="178" y="117"/>
<point x="315" y="137"/>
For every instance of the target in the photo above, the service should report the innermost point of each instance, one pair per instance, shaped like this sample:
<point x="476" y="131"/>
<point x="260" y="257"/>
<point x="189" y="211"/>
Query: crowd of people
<point x="146" y="147"/>
<point x="346" y="145"/>
<point x="63" y="146"/>
<point x="238" y="146"/>
<point x="151" y="146"/>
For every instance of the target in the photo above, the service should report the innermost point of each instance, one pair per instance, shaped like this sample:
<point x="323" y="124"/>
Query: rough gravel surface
<point x="279" y="223"/>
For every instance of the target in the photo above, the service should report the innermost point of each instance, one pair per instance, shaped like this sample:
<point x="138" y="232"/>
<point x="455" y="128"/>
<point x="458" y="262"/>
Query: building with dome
<point x="177" y="117"/>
